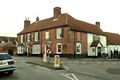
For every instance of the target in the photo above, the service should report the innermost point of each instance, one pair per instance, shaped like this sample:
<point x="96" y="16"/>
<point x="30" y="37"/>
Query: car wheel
<point x="10" y="72"/>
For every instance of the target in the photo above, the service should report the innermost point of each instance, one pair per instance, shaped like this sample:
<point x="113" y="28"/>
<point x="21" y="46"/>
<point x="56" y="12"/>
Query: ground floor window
<point x="59" y="48"/>
<point x="78" y="48"/>
<point x="20" y="49"/>
<point x="36" y="49"/>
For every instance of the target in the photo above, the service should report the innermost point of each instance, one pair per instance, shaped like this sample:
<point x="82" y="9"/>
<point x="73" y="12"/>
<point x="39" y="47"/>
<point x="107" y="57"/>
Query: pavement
<point x="50" y="64"/>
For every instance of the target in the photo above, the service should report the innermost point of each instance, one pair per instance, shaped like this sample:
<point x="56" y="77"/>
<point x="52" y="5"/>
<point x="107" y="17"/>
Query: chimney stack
<point x="37" y="19"/>
<point x="57" y="12"/>
<point x="97" y="23"/>
<point x="26" y="22"/>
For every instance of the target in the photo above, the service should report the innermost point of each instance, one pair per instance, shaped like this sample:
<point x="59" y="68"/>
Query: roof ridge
<point x="111" y="33"/>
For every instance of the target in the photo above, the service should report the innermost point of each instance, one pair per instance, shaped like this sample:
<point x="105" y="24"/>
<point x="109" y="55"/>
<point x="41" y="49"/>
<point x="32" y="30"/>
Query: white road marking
<point x="26" y="63"/>
<point x="76" y="62"/>
<point x="66" y="76"/>
<point x="70" y="76"/>
<point x="66" y="67"/>
<point x="43" y="68"/>
<point x="74" y="76"/>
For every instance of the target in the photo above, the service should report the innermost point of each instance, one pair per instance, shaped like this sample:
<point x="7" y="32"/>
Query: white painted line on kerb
<point x="43" y="68"/>
<point x="66" y="67"/>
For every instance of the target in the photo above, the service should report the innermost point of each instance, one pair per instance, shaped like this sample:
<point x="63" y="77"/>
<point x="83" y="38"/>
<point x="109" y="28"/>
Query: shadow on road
<point x="113" y="71"/>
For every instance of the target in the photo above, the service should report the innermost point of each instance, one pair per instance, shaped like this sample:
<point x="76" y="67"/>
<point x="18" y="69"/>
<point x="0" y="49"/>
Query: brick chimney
<point x="97" y="23"/>
<point x="26" y="22"/>
<point x="37" y="19"/>
<point x="57" y="12"/>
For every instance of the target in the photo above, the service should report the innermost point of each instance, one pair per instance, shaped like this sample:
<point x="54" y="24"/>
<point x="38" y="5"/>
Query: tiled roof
<point x="95" y="44"/>
<point x="7" y="45"/>
<point x="112" y="38"/>
<point x="63" y="19"/>
<point x="4" y="39"/>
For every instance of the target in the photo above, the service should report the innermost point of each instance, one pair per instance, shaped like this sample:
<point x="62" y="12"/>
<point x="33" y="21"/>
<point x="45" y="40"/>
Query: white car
<point x="7" y="64"/>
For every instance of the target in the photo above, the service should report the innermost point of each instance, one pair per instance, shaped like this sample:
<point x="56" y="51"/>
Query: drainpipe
<point x="74" y="46"/>
<point x="40" y="38"/>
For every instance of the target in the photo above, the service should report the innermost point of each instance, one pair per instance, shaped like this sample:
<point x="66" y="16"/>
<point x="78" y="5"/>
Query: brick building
<point x="113" y="43"/>
<point x="67" y="35"/>
<point x="8" y="44"/>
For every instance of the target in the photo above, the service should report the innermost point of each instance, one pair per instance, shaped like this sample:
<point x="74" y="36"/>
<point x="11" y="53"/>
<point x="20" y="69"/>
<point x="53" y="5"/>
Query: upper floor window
<point x="28" y="37"/>
<point x="78" y="36"/>
<point x="59" y="33"/>
<point x="21" y="39"/>
<point x="96" y="37"/>
<point x="46" y="35"/>
<point x="36" y="36"/>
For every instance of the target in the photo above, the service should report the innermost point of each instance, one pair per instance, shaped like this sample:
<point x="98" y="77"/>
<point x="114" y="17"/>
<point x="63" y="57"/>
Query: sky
<point x="14" y="12"/>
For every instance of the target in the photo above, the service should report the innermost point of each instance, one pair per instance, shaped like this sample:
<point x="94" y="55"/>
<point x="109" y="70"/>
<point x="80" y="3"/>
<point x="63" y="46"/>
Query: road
<point x="74" y="70"/>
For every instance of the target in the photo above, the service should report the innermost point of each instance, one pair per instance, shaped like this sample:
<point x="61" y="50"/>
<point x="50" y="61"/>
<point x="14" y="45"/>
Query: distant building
<point x="113" y="42"/>
<point x="69" y="37"/>
<point x="8" y="44"/>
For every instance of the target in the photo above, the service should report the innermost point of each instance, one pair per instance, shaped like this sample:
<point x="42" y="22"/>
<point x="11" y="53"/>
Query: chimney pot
<point x="26" y="22"/>
<point x="37" y="19"/>
<point x="98" y="23"/>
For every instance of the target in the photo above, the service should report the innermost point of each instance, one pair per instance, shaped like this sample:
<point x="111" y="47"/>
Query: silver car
<point x="7" y="64"/>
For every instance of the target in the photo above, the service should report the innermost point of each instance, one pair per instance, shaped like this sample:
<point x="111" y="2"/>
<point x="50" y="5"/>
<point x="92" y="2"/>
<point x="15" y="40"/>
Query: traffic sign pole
<point x="45" y="55"/>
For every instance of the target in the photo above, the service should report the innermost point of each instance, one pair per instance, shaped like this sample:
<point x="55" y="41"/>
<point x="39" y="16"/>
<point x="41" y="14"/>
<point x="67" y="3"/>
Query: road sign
<point x="57" y="61"/>
<point x="49" y="43"/>
<point x="49" y="51"/>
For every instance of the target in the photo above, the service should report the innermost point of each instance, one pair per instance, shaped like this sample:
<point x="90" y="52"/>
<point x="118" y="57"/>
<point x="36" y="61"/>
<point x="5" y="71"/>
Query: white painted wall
<point x="112" y="47"/>
<point x="103" y="40"/>
<point x="89" y="41"/>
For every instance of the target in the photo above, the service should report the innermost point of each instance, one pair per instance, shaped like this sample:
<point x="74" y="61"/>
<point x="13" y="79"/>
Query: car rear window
<point x="5" y="57"/>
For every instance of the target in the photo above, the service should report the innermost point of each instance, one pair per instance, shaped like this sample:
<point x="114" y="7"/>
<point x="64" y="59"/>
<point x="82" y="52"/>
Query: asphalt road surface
<point x="74" y="70"/>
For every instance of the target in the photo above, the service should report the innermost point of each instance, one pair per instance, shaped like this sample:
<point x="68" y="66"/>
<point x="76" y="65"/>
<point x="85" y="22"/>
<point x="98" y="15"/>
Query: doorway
<point x="99" y="51"/>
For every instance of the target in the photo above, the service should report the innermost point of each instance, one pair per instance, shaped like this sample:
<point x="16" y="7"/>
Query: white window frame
<point x="57" y="51"/>
<point x="28" y="37"/>
<point x="78" y="48"/>
<point x="47" y="35"/>
<point x="58" y="33"/>
<point x="21" y="38"/>
<point x="20" y="49"/>
<point x="36" y="49"/>
<point x="36" y="36"/>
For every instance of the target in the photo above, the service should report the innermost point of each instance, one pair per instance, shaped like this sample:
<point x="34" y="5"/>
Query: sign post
<point x="45" y="54"/>
<point x="49" y="51"/>
<point x="56" y="61"/>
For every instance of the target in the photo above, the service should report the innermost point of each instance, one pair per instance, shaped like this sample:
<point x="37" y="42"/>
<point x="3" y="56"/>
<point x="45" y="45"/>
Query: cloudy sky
<point x="14" y="12"/>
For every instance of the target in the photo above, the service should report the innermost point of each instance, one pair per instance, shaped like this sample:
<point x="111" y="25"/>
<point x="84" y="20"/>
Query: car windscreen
<point x="5" y="57"/>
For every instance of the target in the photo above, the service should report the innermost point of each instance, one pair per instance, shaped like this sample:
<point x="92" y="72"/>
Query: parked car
<point x="7" y="63"/>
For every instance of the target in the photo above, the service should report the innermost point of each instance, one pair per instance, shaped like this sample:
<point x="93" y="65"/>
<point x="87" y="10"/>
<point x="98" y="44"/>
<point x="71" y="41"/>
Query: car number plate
<point x="1" y="63"/>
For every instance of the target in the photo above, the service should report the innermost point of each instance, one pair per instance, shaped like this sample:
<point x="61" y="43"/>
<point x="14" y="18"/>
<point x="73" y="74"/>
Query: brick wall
<point x="68" y="41"/>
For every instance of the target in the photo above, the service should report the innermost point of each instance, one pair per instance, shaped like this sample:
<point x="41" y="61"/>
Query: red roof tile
<point x="95" y="44"/>
<point x="63" y="19"/>
<point x="112" y="38"/>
